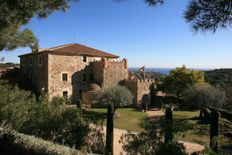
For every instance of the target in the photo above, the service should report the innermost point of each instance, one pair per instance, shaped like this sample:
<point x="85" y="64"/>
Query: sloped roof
<point x="74" y="49"/>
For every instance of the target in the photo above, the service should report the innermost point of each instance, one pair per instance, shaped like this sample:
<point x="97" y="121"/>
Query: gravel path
<point x="156" y="115"/>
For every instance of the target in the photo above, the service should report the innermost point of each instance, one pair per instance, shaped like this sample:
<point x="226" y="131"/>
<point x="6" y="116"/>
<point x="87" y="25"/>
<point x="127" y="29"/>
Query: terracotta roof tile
<point x="76" y="49"/>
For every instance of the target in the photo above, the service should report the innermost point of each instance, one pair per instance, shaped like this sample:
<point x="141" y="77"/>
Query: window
<point x="40" y="60"/>
<point x="65" y="94"/>
<point x="65" y="77"/>
<point x="84" y="58"/>
<point x="84" y="77"/>
<point x="91" y="77"/>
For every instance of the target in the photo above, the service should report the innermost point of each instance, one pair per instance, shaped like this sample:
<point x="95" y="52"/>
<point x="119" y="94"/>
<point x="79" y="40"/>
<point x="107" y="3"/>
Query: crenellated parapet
<point x="139" y="87"/>
<point x="106" y="63"/>
<point x="141" y="81"/>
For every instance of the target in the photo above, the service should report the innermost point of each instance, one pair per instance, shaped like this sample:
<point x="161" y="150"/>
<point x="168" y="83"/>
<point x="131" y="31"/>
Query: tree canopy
<point x="15" y="13"/>
<point x="180" y="79"/>
<point x="197" y="97"/>
<point x="118" y="96"/>
<point x="205" y="15"/>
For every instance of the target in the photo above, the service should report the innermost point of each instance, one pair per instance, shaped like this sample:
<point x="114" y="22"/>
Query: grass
<point x="129" y="119"/>
<point x="192" y="129"/>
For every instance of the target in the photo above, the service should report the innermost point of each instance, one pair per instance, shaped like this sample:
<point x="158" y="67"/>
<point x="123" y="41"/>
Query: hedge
<point x="12" y="142"/>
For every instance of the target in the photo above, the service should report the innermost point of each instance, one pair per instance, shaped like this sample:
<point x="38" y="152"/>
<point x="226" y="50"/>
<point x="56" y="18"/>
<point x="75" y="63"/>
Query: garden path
<point x="155" y="116"/>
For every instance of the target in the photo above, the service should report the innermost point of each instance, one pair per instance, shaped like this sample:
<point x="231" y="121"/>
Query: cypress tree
<point x="168" y="135"/>
<point x="214" y="130"/>
<point x="110" y="130"/>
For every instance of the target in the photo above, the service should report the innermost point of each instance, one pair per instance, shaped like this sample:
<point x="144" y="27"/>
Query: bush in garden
<point x="119" y="96"/>
<point x="173" y="148"/>
<point x="12" y="142"/>
<point x="145" y="102"/>
<point x="198" y="97"/>
<point x="147" y="143"/>
<point x="49" y="120"/>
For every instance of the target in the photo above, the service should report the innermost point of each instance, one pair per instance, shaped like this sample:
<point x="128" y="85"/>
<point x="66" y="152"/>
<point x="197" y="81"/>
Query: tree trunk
<point x="110" y="131"/>
<point x="168" y="133"/>
<point x="214" y="130"/>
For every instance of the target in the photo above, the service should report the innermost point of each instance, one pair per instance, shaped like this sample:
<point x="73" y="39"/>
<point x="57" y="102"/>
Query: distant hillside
<point x="219" y="77"/>
<point x="6" y="65"/>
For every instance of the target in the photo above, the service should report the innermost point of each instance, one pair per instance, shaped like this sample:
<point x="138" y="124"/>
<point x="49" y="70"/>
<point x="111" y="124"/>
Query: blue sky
<point x="155" y="37"/>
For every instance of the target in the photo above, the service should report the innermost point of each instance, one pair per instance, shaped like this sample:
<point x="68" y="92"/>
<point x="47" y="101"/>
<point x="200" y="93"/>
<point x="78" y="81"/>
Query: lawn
<point x="192" y="129"/>
<point x="130" y="119"/>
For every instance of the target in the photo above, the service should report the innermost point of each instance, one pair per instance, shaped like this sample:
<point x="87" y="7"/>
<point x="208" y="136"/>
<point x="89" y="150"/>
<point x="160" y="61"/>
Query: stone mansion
<point x="79" y="72"/>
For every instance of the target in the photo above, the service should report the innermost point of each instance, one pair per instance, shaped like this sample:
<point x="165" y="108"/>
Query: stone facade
<point x="37" y="71"/>
<point x="47" y="75"/>
<point x="139" y="88"/>
<point x="61" y="72"/>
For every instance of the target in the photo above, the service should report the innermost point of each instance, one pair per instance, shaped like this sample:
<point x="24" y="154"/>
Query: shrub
<point x="119" y="96"/>
<point x="13" y="142"/>
<point x="173" y="148"/>
<point x="49" y="120"/>
<point x="197" y="97"/>
<point x="145" y="102"/>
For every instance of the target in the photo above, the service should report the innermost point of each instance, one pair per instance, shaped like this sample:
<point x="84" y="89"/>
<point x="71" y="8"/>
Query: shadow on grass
<point x="94" y="117"/>
<point x="136" y="110"/>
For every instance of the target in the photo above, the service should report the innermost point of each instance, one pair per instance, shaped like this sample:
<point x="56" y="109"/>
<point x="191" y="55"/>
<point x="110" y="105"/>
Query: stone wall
<point x="109" y="73"/>
<point x="37" y="73"/>
<point x="105" y="73"/>
<point x="76" y="70"/>
<point x="139" y="88"/>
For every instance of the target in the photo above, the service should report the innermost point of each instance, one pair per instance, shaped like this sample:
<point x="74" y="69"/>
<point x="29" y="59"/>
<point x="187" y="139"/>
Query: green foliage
<point x="173" y="148"/>
<point x="110" y="130"/>
<point x="14" y="105"/>
<point x="15" y="14"/>
<point x="200" y="96"/>
<point x="145" y="102"/>
<point x="119" y="96"/>
<point x="209" y="15"/>
<point x="13" y="142"/>
<point x="154" y="101"/>
<point x="147" y="143"/>
<point x="144" y="143"/>
<point x="6" y="65"/>
<point x="180" y="79"/>
<point x="222" y="78"/>
<point x="219" y="77"/>
<point x="49" y="120"/>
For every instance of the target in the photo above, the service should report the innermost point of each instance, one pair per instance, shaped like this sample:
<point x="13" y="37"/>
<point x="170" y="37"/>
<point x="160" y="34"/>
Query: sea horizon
<point x="165" y="71"/>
